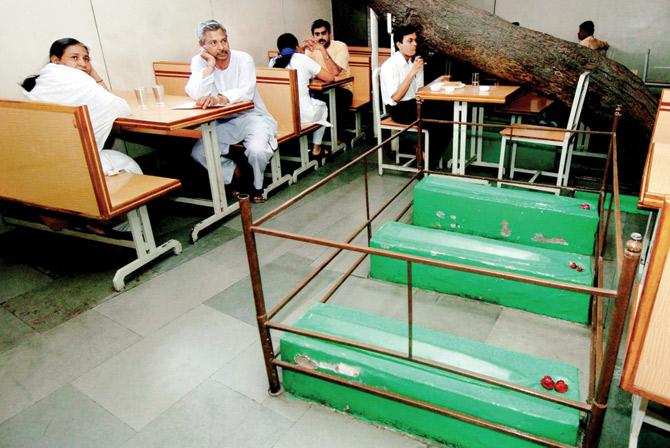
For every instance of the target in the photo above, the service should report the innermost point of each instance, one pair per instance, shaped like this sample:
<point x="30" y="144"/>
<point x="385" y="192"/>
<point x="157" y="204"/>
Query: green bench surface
<point x="520" y="411"/>
<point x="514" y="215"/>
<point x="487" y="253"/>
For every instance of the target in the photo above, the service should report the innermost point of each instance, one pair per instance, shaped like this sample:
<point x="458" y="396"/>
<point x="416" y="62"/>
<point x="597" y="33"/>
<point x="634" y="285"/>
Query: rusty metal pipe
<point x="626" y="280"/>
<point x="259" y="299"/>
<point x="424" y="405"/>
<point x="581" y="406"/>
<point x="443" y="264"/>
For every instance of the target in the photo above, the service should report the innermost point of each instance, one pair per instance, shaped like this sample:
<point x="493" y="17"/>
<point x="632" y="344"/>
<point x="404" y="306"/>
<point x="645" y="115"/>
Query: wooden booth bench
<point x="49" y="161"/>
<point x="279" y="90"/>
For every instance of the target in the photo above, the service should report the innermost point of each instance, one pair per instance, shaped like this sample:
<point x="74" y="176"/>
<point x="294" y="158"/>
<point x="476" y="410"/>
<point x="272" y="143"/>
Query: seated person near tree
<point x="587" y="39"/>
<point x="333" y="56"/>
<point x="70" y="79"/>
<point x="401" y="75"/>
<point x="312" y="110"/>
<point x="221" y="76"/>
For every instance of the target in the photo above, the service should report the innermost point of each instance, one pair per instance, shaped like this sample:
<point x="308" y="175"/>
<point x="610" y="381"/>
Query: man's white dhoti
<point x="252" y="129"/>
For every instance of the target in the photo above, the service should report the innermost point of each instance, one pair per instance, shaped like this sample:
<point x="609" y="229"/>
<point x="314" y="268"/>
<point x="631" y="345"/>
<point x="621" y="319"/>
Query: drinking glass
<point x="141" y="99"/>
<point x="475" y="80"/>
<point x="159" y="94"/>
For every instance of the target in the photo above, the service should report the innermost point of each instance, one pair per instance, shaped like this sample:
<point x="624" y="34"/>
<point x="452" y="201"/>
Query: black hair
<point x="588" y="27"/>
<point x="57" y="49"/>
<point x="402" y="31"/>
<point x="286" y="40"/>
<point x="319" y="23"/>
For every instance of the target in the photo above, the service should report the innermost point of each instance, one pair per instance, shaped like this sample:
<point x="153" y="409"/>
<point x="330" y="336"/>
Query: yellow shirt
<point x="339" y="53"/>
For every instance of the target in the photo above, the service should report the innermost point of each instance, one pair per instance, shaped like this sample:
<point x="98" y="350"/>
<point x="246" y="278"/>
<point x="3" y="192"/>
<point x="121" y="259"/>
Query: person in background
<point x="70" y="79"/>
<point x="312" y="110"/>
<point x="586" y="38"/>
<point x="333" y="56"/>
<point x="221" y="76"/>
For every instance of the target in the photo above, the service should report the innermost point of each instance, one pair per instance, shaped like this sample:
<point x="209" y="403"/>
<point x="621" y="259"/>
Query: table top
<point x="162" y="118"/>
<point x="317" y="85"/>
<point x="469" y="94"/>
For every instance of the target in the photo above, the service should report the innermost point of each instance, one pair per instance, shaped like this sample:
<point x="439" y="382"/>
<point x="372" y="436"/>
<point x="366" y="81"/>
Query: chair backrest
<point x="378" y="106"/>
<point x="49" y="158"/>
<point x="359" y="66"/>
<point x="578" y="101"/>
<point x="279" y="89"/>
<point x="172" y="75"/>
<point x="272" y="54"/>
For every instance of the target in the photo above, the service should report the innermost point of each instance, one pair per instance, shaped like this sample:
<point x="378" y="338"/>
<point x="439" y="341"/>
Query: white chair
<point x="382" y="120"/>
<point x="543" y="135"/>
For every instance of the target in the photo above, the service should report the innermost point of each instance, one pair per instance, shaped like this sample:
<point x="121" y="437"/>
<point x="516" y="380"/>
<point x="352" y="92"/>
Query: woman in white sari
<point x="69" y="78"/>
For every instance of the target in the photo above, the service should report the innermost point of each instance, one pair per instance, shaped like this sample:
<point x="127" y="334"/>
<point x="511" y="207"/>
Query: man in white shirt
<point x="587" y="39"/>
<point x="401" y="75"/>
<point x="221" y="76"/>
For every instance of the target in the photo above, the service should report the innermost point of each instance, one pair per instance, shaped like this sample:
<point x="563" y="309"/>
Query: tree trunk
<point x="546" y="64"/>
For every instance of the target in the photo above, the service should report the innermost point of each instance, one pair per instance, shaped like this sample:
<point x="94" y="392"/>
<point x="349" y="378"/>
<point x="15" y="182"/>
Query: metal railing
<point x="602" y="361"/>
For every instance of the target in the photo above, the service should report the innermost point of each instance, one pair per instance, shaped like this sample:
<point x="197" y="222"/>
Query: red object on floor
<point x="547" y="382"/>
<point x="573" y="265"/>
<point x="561" y="387"/>
<point x="580" y="269"/>
<point x="585" y="206"/>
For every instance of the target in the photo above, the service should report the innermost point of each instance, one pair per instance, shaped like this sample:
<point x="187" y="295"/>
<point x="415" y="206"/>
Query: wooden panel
<point x="128" y="191"/>
<point x="647" y="358"/>
<point x="279" y="89"/>
<point x="45" y="160"/>
<point x="529" y="103"/>
<point x="384" y="53"/>
<point x="654" y="188"/>
<point x="359" y="67"/>
<point x="172" y="75"/>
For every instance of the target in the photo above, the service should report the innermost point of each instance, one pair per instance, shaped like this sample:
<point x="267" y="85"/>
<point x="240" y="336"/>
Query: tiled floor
<point x="174" y="361"/>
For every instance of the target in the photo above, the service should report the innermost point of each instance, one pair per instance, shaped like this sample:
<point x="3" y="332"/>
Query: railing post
<point x="259" y="299"/>
<point x="626" y="280"/>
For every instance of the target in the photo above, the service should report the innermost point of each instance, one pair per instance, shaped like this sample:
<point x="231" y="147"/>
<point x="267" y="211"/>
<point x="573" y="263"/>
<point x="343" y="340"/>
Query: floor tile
<point x="140" y="383"/>
<point x="245" y="373"/>
<point x="17" y="279"/>
<point x="288" y="406"/>
<point x="545" y="337"/>
<point x="213" y="416"/>
<point x="12" y="331"/>
<point x="153" y="304"/>
<point x="46" y="362"/>
<point x="278" y="277"/>
<point x="67" y="419"/>
<point x="328" y="429"/>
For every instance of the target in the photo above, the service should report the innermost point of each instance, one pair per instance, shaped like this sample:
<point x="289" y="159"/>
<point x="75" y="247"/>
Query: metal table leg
<point x="219" y="202"/>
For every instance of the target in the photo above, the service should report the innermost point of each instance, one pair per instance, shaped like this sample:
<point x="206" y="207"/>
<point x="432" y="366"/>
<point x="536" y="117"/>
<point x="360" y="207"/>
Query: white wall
<point x="126" y="36"/>
<point x="630" y="27"/>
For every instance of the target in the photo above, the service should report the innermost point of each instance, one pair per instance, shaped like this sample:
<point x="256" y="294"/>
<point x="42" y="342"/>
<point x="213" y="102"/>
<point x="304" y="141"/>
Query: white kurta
<point x="391" y="75"/>
<point x="312" y="110"/>
<point x="255" y="128"/>
<point x="61" y="84"/>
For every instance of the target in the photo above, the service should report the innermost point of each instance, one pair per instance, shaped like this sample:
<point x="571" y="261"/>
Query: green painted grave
<point x="519" y="216"/>
<point x="520" y="411"/>
<point x="487" y="253"/>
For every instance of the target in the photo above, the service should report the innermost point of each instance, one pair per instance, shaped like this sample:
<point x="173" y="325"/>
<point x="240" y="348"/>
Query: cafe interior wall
<point x="126" y="36"/>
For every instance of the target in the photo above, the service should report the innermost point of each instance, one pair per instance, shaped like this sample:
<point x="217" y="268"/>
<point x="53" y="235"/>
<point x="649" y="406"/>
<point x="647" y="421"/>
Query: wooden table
<point x="461" y="97"/>
<point x="161" y="119"/>
<point x="318" y="86"/>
